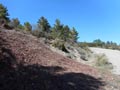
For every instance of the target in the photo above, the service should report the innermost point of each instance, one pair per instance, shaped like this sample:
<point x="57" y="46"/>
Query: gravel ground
<point x="113" y="57"/>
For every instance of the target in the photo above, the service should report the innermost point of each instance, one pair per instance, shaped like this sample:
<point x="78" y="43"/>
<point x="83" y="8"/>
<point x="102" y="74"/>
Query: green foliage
<point x="112" y="45"/>
<point x="83" y="44"/>
<point x="64" y="33"/>
<point x="14" y="23"/>
<point x="3" y="15"/>
<point x="102" y="62"/>
<point x="74" y="35"/>
<point x="98" y="42"/>
<point x="27" y="27"/>
<point x="56" y="30"/>
<point x="102" y="44"/>
<point x="60" y="44"/>
<point x="43" y="29"/>
<point x="44" y="26"/>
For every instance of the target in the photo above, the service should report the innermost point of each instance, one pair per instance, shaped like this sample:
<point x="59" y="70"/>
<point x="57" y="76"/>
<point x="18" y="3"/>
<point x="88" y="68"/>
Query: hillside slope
<point x="28" y="64"/>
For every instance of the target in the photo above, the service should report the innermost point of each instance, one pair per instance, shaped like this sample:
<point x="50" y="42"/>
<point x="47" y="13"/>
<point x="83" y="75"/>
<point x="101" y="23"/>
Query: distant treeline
<point x="101" y="44"/>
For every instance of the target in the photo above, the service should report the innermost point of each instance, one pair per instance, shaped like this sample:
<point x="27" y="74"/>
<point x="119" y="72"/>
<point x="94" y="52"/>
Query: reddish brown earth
<point x="28" y="64"/>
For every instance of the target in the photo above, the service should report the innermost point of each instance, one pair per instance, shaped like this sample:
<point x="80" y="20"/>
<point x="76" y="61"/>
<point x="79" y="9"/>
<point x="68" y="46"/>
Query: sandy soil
<point x="113" y="57"/>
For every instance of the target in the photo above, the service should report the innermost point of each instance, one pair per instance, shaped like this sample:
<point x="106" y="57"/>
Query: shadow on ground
<point x="36" y="77"/>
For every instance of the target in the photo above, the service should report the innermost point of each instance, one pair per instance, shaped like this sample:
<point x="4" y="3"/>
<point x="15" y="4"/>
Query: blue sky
<point x="93" y="19"/>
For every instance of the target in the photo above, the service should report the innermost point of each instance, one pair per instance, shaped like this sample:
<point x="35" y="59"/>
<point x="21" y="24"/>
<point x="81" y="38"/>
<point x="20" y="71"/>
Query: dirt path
<point x="113" y="57"/>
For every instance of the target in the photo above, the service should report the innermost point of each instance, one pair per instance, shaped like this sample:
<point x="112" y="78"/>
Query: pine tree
<point x="3" y="15"/>
<point x="14" y="23"/>
<point x="44" y="25"/>
<point x="27" y="27"/>
<point x="56" y="30"/>
<point x="64" y="33"/>
<point x="74" y="35"/>
<point x="98" y="42"/>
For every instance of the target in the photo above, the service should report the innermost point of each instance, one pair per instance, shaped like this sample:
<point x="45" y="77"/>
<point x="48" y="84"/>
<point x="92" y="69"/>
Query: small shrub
<point x="102" y="61"/>
<point x="60" y="44"/>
